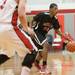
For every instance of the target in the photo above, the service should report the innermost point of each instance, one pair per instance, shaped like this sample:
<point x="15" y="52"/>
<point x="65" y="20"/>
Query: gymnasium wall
<point x="44" y="4"/>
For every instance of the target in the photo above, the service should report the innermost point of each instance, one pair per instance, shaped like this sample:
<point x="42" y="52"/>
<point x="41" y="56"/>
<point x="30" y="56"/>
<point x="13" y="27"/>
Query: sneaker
<point x="45" y="70"/>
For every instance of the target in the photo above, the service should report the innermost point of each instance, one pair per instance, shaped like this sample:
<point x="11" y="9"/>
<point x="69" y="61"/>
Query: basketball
<point x="71" y="46"/>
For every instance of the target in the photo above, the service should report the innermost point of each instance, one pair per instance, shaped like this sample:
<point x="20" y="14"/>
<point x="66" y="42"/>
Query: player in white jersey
<point x="12" y="39"/>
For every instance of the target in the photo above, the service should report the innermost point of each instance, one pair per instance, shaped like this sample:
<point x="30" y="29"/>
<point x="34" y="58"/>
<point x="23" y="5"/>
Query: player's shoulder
<point x="55" y="17"/>
<point x="43" y="13"/>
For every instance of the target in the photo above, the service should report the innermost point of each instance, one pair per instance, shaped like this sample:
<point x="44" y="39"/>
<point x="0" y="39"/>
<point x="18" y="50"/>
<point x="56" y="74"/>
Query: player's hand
<point x="34" y="52"/>
<point x="31" y="32"/>
<point x="66" y="37"/>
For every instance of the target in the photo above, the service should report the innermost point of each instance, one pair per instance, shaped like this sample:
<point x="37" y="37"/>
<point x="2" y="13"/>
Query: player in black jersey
<point x="41" y="24"/>
<point x="39" y="28"/>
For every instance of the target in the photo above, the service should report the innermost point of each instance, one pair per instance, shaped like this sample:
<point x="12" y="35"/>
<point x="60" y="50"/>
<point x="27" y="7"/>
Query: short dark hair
<point x="53" y="5"/>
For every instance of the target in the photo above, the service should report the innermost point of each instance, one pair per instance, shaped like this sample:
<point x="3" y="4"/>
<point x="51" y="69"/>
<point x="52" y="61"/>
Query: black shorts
<point x="39" y="40"/>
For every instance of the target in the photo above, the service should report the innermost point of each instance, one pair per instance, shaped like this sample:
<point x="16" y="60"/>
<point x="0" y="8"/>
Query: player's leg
<point x="3" y="47"/>
<point x="38" y="59"/>
<point x="27" y="63"/>
<point x="47" y="45"/>
<point x="29" y="58"/>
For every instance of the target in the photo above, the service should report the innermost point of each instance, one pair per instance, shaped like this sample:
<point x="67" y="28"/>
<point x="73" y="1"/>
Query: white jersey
<point x="8" y="9"/>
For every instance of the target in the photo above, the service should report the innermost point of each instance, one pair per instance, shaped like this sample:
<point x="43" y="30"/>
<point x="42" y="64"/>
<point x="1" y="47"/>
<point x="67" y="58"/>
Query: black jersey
<point x="45" y="17"/>
<point x="38" y="21"/>
<point x="55" y="23"/>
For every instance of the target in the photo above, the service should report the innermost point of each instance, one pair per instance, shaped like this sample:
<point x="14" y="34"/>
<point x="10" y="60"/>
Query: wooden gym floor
<point x="58" y="63"/>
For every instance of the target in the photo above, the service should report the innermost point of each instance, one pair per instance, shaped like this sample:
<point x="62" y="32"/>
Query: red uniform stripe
<point x="24" y="39"/>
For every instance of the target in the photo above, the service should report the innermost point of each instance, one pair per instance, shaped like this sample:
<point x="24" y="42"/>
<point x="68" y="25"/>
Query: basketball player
<point x="41" y="28"/>
<point x="12" y="38"/>
<point x="41" y="24"/>
<point x="53" y="9"/>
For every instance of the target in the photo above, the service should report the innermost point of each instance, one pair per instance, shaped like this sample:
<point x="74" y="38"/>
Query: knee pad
<point x="29" y="60"/>
<point x="3" y="58"/>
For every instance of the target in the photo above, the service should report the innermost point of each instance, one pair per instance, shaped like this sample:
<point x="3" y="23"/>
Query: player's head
<point x="53" y="9"/>
<point x="44" y="21"/>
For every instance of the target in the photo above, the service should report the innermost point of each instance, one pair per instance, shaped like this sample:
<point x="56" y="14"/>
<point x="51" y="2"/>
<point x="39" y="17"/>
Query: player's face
<point x="46" y="27"/>
<point x="54" y="10"/>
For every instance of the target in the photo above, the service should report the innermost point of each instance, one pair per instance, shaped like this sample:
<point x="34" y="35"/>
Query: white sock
<point x="25" y="71"/>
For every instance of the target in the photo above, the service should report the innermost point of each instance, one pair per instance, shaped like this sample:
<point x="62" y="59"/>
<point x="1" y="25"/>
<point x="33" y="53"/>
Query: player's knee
<point x="3" y="58"/>
<point x="28" y="60"/>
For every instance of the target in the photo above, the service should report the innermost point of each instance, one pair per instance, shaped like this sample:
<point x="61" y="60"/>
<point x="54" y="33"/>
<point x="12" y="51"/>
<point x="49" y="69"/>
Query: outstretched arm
<point x="64" y="35"/>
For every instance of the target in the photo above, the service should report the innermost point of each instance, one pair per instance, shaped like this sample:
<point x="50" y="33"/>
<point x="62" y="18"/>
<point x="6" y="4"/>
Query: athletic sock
<point x="25" y="71"/>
